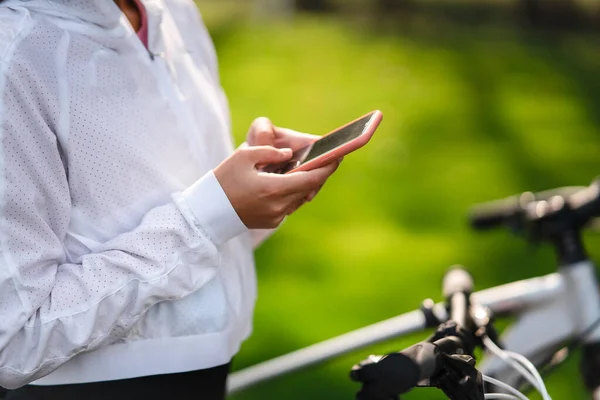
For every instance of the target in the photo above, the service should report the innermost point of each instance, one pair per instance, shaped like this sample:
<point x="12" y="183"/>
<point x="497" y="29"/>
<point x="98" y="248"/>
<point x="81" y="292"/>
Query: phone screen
<point x="324" y="145"/>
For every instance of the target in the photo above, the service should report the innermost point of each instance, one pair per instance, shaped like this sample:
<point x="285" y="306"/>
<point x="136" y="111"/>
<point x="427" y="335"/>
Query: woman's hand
<point x="262" y="200"/>
<point x="263" y="133"/>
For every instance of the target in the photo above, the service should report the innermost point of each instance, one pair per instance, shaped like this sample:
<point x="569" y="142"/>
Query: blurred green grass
<point x="471" y="113"/>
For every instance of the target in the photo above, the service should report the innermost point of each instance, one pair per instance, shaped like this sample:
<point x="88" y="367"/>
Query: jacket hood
<point x="104" y="13"/>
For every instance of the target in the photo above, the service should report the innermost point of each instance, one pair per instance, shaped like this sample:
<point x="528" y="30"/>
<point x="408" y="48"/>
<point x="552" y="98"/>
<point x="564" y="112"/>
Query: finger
<point x="296" y="205"/>
<point x="305" y="181"/>
<point x="265" y="155"/>
<point x="313" y="194"/>
<point x="298" y="183"/>
<point x="294" y="200"/>
<point x="262" y="133"/>
<point x="294" y="140"/>
<point x="327" y="169"/>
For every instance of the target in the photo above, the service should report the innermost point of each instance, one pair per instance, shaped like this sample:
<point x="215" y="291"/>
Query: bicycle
<point x="562" y="308"/>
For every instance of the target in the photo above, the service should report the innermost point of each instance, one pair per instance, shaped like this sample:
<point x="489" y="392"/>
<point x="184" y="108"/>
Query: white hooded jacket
<point x="120" y="254"/>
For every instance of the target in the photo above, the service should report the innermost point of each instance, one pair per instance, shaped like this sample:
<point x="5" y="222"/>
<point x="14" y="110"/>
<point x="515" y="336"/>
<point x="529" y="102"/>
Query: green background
<point x="472" y="112"/>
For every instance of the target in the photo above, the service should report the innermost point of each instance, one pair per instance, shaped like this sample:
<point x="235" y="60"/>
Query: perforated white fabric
<point x="114" y="234"/>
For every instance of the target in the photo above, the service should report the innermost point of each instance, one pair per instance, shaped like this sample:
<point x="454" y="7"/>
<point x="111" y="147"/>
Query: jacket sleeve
<point x="50" y="309"/>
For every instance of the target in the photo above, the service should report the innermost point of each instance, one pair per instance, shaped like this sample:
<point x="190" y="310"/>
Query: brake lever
<point x="459" y="379"/>
<point x="463" y="381"/>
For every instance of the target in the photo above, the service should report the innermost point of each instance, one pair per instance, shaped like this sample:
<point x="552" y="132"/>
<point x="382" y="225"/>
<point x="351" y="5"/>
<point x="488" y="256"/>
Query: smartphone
<point x="332" y="146"/>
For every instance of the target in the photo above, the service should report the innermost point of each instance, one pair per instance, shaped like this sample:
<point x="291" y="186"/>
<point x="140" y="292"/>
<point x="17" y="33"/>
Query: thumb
<point x="265" y="155"/>
<point x="262" y="132"/>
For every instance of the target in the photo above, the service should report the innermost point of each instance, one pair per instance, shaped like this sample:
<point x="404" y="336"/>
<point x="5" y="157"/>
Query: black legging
<point x="207" y="384"/>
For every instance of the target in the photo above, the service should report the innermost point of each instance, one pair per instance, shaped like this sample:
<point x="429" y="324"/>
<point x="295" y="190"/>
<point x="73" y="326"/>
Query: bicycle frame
<point x="561" y="307"/>
<point x="550" y="310"/>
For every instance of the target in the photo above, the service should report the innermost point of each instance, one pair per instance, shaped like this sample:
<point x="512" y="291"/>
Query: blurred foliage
<point x="538" y="13"/>
<point x="472" y="112"/>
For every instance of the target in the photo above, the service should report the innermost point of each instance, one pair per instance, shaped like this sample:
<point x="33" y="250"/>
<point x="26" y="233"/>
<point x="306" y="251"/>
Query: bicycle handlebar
<point x="542" y="214"/>
<point x="397" y="373"/>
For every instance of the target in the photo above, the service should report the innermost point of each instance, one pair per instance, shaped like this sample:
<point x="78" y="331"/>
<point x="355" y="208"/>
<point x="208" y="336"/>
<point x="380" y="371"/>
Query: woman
<point x="127" y="221"/>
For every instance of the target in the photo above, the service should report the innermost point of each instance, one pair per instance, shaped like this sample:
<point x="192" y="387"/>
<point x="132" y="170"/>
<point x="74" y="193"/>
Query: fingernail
<point x="286" y="152"/>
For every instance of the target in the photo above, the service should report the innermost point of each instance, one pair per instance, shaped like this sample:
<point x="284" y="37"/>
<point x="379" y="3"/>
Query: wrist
<point x="209" y="209"/>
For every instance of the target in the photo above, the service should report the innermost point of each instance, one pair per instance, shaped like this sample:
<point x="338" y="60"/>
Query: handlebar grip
<point x="484" y="221"/>
<point x="498" y="213"/>
<point x="512" y="212"/>
<point x="425" y="356"/>
<point x="396" y="373"/>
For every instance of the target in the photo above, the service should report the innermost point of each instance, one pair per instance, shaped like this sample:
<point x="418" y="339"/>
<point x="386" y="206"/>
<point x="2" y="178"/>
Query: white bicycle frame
<point x="550" y="311"/>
